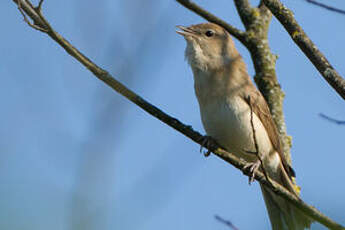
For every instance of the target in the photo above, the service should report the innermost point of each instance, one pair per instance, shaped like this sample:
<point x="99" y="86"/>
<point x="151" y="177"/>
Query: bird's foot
<point x="208" y="143"/>
<point x="252" y="168"/>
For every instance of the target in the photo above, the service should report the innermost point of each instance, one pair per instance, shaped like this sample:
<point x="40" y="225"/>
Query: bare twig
<point x="327" y="7"/>
<point x="39" y="7"/>
<point x="31" y="11"/>
<point x="226" y="222"/>
<point x="177" y="125"/>
<point x="287" y="19"/>
<point x="37" y="27"/>
<point x="29" y="23"/>
<point x="338" y="122"/>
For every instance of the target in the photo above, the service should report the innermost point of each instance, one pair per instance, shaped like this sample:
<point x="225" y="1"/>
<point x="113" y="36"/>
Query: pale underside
<point x="228" y="121"/>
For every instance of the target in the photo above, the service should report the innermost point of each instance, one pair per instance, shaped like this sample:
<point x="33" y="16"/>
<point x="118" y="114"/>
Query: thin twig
<point x="182" y="128"/>
<point x="36" y="27"/>
<point x="29" y="23"/>
<point x="226" y="222"/>
<point x="338" y="122"/>
<point x="327" y="7"/>
<point x="39" y="7"/>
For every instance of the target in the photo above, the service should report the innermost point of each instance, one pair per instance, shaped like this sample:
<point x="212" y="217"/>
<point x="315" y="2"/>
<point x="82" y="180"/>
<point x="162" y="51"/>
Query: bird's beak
<point x="185" y="31"/>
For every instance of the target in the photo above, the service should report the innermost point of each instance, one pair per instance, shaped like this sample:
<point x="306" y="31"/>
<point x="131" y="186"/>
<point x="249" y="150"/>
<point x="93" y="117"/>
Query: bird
<point x="235" y="114"/>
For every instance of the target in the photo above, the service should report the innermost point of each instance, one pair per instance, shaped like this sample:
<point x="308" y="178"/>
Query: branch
<point x="226" y="222"/>
<point x="338" y="122"/>
<point x="171" y="121"/>
<point x="327" y="7"/>
<point x="286" y="18"/>
<point x="245" y="11"/>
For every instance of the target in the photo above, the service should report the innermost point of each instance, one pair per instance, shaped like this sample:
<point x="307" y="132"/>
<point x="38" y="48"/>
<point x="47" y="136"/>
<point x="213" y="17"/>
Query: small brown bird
<point x="231" y="108"/>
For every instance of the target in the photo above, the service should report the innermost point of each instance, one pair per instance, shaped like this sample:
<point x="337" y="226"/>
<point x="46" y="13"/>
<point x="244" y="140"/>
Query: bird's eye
<point x="209" y="33"/>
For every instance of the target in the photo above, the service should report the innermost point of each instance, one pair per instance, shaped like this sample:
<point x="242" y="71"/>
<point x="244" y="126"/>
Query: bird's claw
<point x="208" y="143"/>
<point x="252" y="168"/>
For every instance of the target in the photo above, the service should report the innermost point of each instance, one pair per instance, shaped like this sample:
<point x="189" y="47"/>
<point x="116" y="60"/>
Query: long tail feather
<point x="283" y="215"/>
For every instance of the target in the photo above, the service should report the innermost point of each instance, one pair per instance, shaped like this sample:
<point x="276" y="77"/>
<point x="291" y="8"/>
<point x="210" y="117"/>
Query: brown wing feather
<point x="260" y="108"/>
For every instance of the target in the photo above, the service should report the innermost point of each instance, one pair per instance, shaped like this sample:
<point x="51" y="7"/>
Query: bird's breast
<point x="225" y="120"/>
<point x="228" y="121"/>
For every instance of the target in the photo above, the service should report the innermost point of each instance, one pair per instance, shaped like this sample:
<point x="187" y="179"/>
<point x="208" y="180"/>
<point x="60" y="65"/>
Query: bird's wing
<point x="259" y="106"/>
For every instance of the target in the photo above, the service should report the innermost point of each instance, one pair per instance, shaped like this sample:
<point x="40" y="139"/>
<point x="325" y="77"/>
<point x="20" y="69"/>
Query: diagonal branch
<point x="171" y="121"/>
<point x="226" y="222"/>
<point x="327" y="7"/>
<point x="336" y="121"/>
<point x="287" y="19"/>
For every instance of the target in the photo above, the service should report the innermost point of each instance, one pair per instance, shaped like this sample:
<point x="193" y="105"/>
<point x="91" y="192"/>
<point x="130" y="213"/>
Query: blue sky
<point x="76" y="155"/>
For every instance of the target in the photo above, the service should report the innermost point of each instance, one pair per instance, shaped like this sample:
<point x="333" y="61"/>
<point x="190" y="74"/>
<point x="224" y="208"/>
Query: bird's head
<point x="209" y="46"/>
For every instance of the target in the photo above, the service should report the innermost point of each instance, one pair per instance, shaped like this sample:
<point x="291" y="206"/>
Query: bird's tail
<point x="283" y="215"/>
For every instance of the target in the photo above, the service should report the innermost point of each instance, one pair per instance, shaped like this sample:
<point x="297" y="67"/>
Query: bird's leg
<point x="252" y="168"/>
<point x="209" y="143"/>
